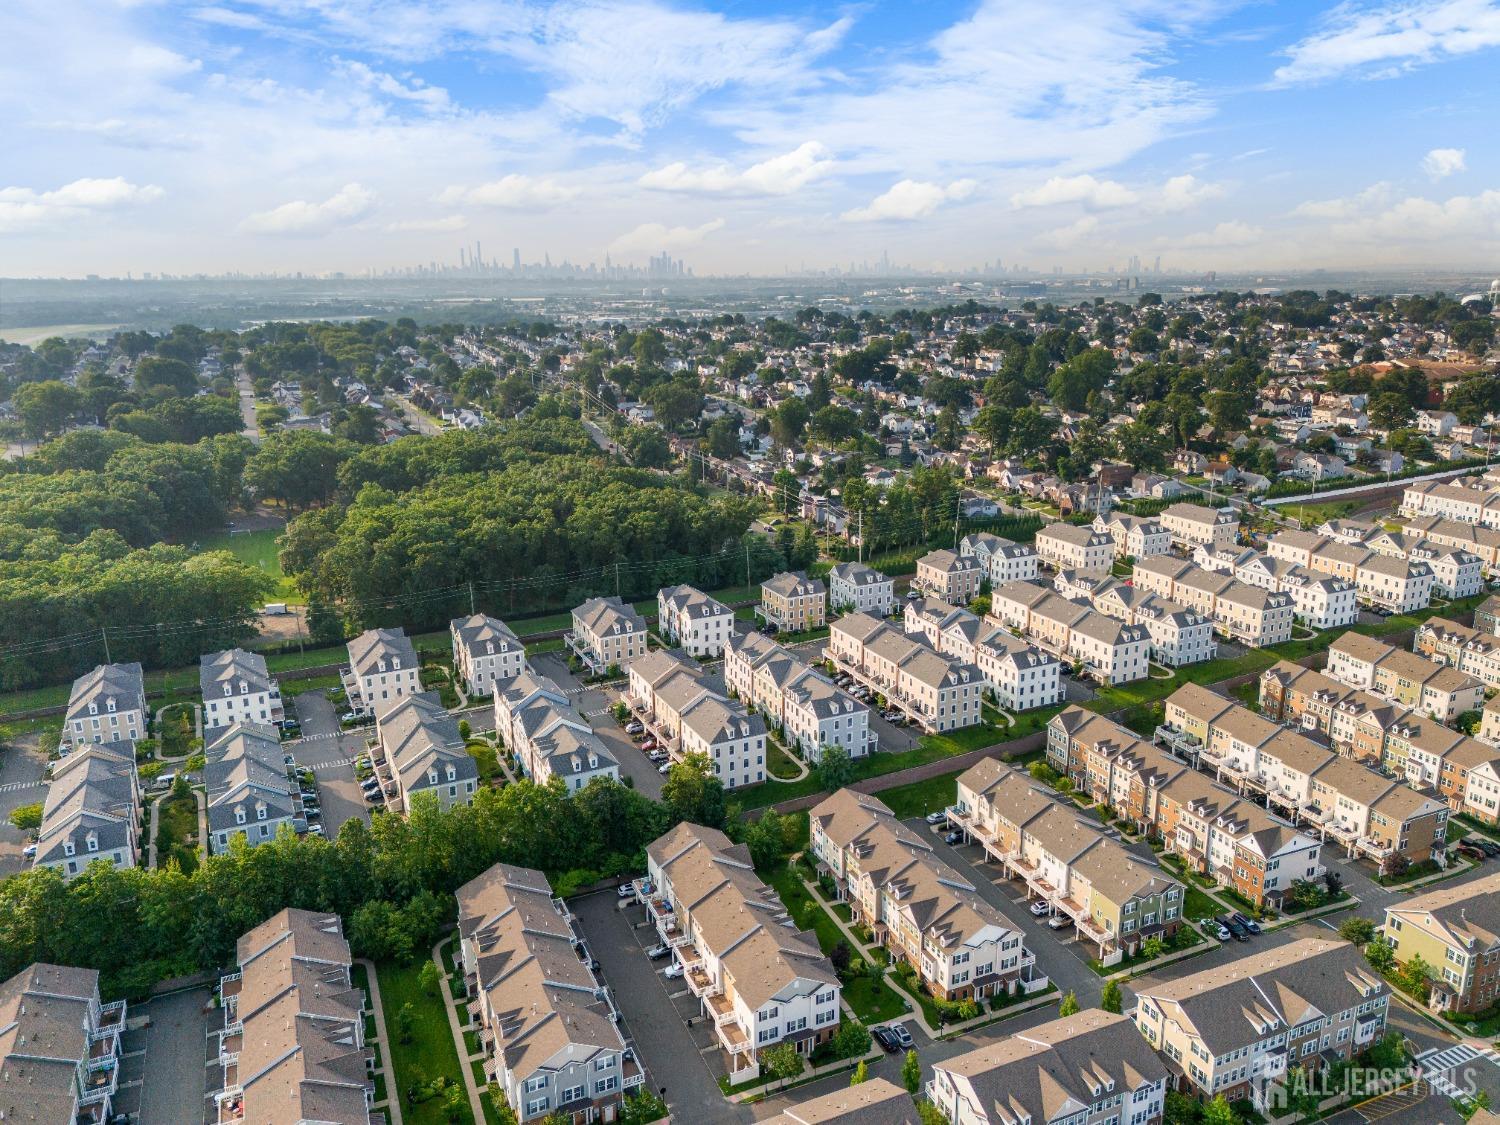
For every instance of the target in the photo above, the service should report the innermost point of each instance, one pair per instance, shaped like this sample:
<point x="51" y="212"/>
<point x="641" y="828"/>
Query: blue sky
<point x="748" y="137"/>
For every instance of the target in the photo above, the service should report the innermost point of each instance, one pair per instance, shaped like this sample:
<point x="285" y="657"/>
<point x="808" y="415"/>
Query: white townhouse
<point x="236" y="688"/>
<point x="1135" y="536"/>
<point x="811" y="711"/>
<point x="1456" y="573"/>
<point x="106" y="705"/>
<point x="860" y="588"/>
<point x="1193" y="525"/>
<point x="938" y="692"/>
<point x="693" y="621"/>
<point x="607" y="633"/>
<point x="382" y="667"/>
<point x="1004" y="560"/>
<point x="250" y="792"/>
<point x="1321" y="600"/>
<point x="1021" y="676"/>
<point x="1065" y="546"/>
<point x="1401" y="586"/>
<point x="1111" y="651"/>
<point x="424" y="752"/>
<point x="548" y="735"/>
<point x="683" y="707"/>
<point x="92" y="811"/>
<point x="1178" y="635"/>
<point x="485" y="651"/>
<point x="761" y="981"/>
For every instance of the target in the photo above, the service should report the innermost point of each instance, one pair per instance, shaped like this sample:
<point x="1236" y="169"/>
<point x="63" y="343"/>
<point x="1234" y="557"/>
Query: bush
<point x="28" y="818"/>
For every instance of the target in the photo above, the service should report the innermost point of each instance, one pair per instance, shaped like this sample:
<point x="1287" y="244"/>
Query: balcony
<point x="732" y="1037"/>
<point x="1368" y="1029"/>
<point x="699" y="982"/>
<point x="1272" y="1065"/>
<point x="722" y="1009"/>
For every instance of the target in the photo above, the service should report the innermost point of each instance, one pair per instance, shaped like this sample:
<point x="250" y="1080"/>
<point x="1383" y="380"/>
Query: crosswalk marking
<point x="19" y="786"/>
<point x="1437" y="1064"/>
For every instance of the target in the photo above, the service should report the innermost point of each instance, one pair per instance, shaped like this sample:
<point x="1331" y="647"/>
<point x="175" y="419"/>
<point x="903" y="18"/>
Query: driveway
<point x="164" y="1074"/>
<point x="594" y="704"/>
<point x="330" y="753"/>
<point x="21" y="771"/>
<point x="681" y="1059"/>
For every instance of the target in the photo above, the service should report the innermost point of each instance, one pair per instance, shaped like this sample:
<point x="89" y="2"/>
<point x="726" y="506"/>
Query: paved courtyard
<point x="21" y="771"/>
<point x="169" y="1066"/>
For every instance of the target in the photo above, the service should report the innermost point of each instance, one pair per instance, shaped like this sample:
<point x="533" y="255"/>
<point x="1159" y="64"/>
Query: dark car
<point x="1249" y="923"/>
<point x="1234" y="927"/>
<point x="953" y="838"/>
<point x="1488" y="847"/>
<point x="886" y="1040"/>
<point x="903" y="1036"/>
<point x="1470" y="851"/>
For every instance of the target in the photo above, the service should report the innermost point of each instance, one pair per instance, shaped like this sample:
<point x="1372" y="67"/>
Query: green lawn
<point x="778" y="762"/>
<point x="922" y="797"/>
<point x="258" y="548"/>
<point x="805" y="910"/>
<point x="176" y="829"/>
<point x="430" y="1053"/>
<point x="873" y="765"/>
<point x="1198" y="905"/>
<point x="873" y="1000"/>
<point x="484" y="757"/>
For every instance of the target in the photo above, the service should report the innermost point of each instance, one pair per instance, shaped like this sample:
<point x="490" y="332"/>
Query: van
<point x="274" y="609"/>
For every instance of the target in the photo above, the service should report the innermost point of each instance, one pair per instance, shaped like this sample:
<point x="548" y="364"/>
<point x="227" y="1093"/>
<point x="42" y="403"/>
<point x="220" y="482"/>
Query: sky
<point x="748" y="137"/>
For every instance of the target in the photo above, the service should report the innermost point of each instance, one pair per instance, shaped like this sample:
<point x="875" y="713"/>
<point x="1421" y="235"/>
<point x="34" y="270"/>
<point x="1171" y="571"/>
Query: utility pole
<point x="955" y="526"/>
<point x="471" y="598"/>
<point x="747" y="566"/>
<point x="104" y="635"/>
<point x="860" y="547"/>
<point x="617" y="578"/>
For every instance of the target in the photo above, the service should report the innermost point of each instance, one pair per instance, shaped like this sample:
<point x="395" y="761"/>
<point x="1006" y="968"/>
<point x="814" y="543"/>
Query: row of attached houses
<point x="1179" y="635"/>
<point x="1065" y="546"/>
<point x="1218" y="834"/>
<point x="1115" y="898"/>
<point x="607" y="634"/>
<point x="107" y="704"/>
<point x="1110" y="650"/>
<point x="1467" y="499"/>
<point x="1471" y="651"/>
<point x="917" y="906"/>
<point x="92" y="810"/>
<point x="950" y="576"/>
<point x="59" y="1047"/>
<point x="687" y="711"/>
<point x="1020" y="676"/>
<point x="1193" y="525"/>
<point x="421" y="751"/>
<point x="550" y="739"/>
<point x="1319" y="600"/>
<point x="547" y="1025"/>
<point x="1335" y="796"/>
<point x="1432" y="687"/>
<point x="1388" y="581"/>
<point x="937" y="692"/>
<point x="1456" y="571"/>
<point x="1463" y="771"/>
<point x="252" y="791"/>
<point x="808" y="708"/>
<point x="1455" y="930"/>
<point x="1249" y="614"/>
<point x="485" y="651"/>
<point x="693" y="621"/>
<point x="1135" y="536"/>
<point x="1481" y="542"/>
<point x="855" y="587"/>
<point x="762" y="982"/>
<point x="1003" y="559"/>
<point x="237" y="688"/>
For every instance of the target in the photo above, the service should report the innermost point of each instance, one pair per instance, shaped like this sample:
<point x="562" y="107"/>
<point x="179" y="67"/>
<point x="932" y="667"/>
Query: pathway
<point x="451" y="1007"/>
<point x="392" y="1103"/>
<point x="247" y="405"/>
<point x="802" y="770"/>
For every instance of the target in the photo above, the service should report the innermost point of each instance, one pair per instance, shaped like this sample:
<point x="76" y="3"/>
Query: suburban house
<point x="1092" y="1067"/>
<point x="1397" y="583"/>
<point x="950" y="577"/>
<point x="1404" y="677"/>
<point x="686" y="710"/>
<point x="548" y="1026"/>
<point x="761" y="981"/>
<point x="1193" y="525"/>
<point x="793" y="602"/>
<point x="236" y="688"/>
<point x="1020" y="676"/>
<point x="607" y="633"/>
<point x="810" y="711"/>
<point x="59" y="1046"/>
<point x="105" y="705"/>
<point x="251" y="792"/>
<point x="292" y="1045"/>
<point x="382" y="666"/>
<point x="92" y="811"/>
<point x="857" y="587"/>
<point x="1456" y="931"/>
<point x="1065" y="546"/>
<point x="485" y="651"/>
<point x="549" y="738"/>
<point x="1110" y="650"/>
<point x="1469" y="651"/>
<point x="937" y="692"/>
<point x="1004" y="560"/>
<point x="693" y="621"/>
<point x="1237" y="1028"/>
<point x="916" y="905"/>
<point x="1178" y="635"/>
<point x="1254" y="616"/>
<point x="424" y="753"/>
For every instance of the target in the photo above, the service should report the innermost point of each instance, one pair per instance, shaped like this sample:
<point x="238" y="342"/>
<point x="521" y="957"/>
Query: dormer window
<point x="260" y="812"/>
<point x="432" y="777"/>
<point x="452" y="773"/>
<point x="110" y="704"/>
<point x="239" y="816"/>
<point x="67" y="847"/>
<point x="396" y="663"/>
<point x="92" y="842"/>
<point x="227" y="690"/>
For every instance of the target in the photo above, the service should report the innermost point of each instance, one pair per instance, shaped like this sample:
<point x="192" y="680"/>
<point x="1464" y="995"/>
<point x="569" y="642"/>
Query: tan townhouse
<point x="1064" y="546"/>
<point x="1455" y="930"/>
<point x="607" y="635"/>
<point x="1134" y="536"/>
<point x="1461" y="647"/>
<point x="937" y="692"/>
<point x="951" y="577"/>
<point x="1192" y="525"/>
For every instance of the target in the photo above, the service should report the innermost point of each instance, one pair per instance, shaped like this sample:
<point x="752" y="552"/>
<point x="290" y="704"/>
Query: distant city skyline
<point x="749" y="138"/>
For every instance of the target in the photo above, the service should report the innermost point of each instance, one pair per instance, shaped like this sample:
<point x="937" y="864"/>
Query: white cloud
<point x="515" y="191"/>
<point x="1182" y="193"/>
<point x="433" y="99"/>
<point x="1065" y="238"/>
<point x="779" y="175"/>
<point x="908" y="200"/>
<point x="651" y="237"/>
<point x="24" y="208"/>
<point x="439" y="225"/>
<point x="350" y="203"/>
<point x="1414" y="219"/>
<point x="1083" y="189"/>
<point x="1374" y="196"/>
<point x="1443" y="162"/>
<point x="1233" y="233"/>
<point x="1390" y="39"/>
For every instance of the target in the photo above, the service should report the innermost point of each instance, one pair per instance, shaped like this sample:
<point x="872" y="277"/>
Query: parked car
<point x="664" y="769"/>
<point x="649" y="745"/>
<point x="362" y="761"/>
<point x="312" y="816"/>
<point x="1237" y="931"/>
<point x="1488" y="847"/>
<point x="28" y="851"/>
<point x="634" y="727"/>
<point x="672" y="971"/>
<point x="1059" y="922"/>
<point x="315" y="829"/>
<point x="1039" y="909"/>
<point x="1248" y="922"/>
<point x="937" y="817"/>
<point x="903" y="1036"/>
<point x="348" y="717"/>
<point x="289" y="759"/>
<point x="1470" y="851"/>
<point x="887" y="1040"/>
<point x="627" y="890"/>
<point x="1214" y="929"/>
<point x="657" y="952"/>
<point x="954" y="837"/>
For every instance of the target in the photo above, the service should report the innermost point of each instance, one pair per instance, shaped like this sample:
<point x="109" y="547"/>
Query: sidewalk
<point x="464" y="1058"/>
<point x="392" y="1103"/>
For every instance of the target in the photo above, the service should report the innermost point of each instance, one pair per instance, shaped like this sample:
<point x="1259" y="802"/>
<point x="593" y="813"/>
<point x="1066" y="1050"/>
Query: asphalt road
<point x="163" y="1071"/>
<point x="594" y="703"/>
<point x="21" y="772"/>
<point x="330" y="754"/>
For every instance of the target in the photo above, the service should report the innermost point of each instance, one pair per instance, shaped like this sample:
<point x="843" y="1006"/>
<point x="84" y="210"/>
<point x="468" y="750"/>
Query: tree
<point x="1069" y="1005"/>
<point x="406" y="1016"/>
<point x="851" y="1040"/>
<point x="675" y="403"/>
<point x="1416" y="977"/>
<point x="1181" y="1109"/>
<point x="839" y="956"/>
<point x="929" y="1114"/>
<point x="46" y="407"/>
<point x="911" y="1073"/>
<point x="28" y="818"/>
<point x="861" y="1073"/>
<point x="168" y="376"/>
<point x="299" y="468"/>
<point x="766" y="840"/>
<point x="788" y="421"/>
<point x="835" y="769"/>
<point x="1110" y="999"/>
<point x="641" y="1108"/>
<point x="1220" y="1112"/>
<point x="782" y="1062"/>
<point x="455" y="1103"/>
<point x="429" y="978"/>
<point x="1380" y="955"/>
<point x="1301" y="1097"/>
<point x="724" y="438"/>
<point x="1390" y="411"/>
<point x="693" y="793"/>
<point x="1152" y="948"/>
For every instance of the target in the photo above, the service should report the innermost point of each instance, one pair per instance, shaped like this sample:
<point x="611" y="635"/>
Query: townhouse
<point x="805" y="705"/>
<point x="1193" y="525"/>
<point x="485" y="651"/>
<point x="1091" y="1068"/>
<point x="693" y="621"/>
<point x="1110" y="650"/>
<point x="688" y="713"/>
<point x="1397" y="584"/>
<point x="1134" y="536"/>
<point x="875" y="1101"/>
<point x="1465" y="500"/>
<point x="607" y="635"/>
<point x="382" y="666"/>
<point x="547" y="1024"/>
<point x="916" y="905"/>
<point x="1178" y="635"/>
<point x="951" y="577"/>
<point x="92" y="810"/>
<point x="1469" y="651"/>
<point x="1110" y="763"/>
<point x="1115" y="899"/>
<point x="1018" y="675"/>
<point x="1065" y="546"/>
<point x="855" y="587"/>
<point x="937" y="692"/>
<point x="793" y="602"/>
<point x="236" y="688"/>
<point x="105" y="705"/>
<point x="1004" y="560"/>
<point x="761" y="981"/>
<point x="1403" y="677"/>
<point x="59" y="1046"/>
<point x="1456" y="573"/>
<point x="1254" y="616"/>
<point x="1455" y="930"/>
<point x="1236" y="1029"/>
<point x="251" y="791"/>
<point x="1482" y="542"/>
<point x="423" y="752"/>
<point x="292" y="1045"/>
<point x="1321" y="600"/>
<point x="1487" y="616"/>
<point x="548" y="736"/>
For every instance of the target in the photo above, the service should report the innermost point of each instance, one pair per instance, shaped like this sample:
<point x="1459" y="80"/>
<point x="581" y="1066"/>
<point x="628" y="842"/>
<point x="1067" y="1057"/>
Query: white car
<point x="1059" y="922"/>
<point x="672" y="971"/>
<point x="1039" y="909"/>
<point x="937" y="817"/>
<point x="29" y="851"/>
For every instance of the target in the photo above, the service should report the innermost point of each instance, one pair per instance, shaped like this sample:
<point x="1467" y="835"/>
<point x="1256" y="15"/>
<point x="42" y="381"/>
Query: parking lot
<point x="329" y="752"/>
<point x="594" y="703"/>
<point x="21" y="771"/>
<point x="165" y="1071"/>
